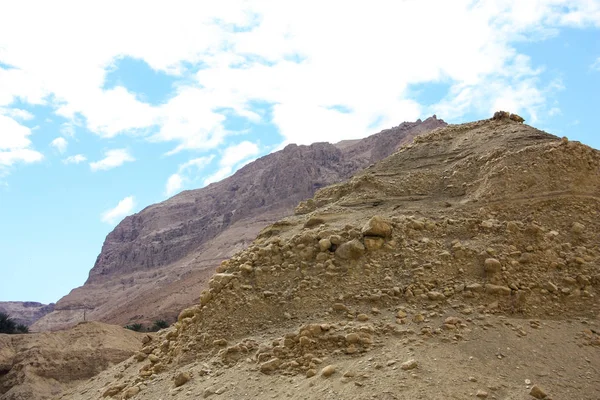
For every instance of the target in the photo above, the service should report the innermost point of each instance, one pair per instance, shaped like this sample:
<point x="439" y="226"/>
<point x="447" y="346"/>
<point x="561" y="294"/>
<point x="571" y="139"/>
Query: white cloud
<point x="76" y="159"/>
<point x="596" y="64"/>
<point x="15" y="146"/>
<point x="174" y="184"/>
<point x="177" y="180"/>
<point x="367" y="63"/>
<point x="232" y="157"/>
<point x="60" y="144"/>
<point x="17" y="113"/>
<point x="113" y="158"/>
<point x="124" y="208"/>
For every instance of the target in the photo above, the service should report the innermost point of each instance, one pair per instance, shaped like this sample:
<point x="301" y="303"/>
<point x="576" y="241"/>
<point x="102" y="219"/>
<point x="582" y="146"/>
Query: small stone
<point x="577" y="228"/>
<point x="452" y="320"/>
<point x="181" y="378"/>
<point x="377" y="226"/>
<point x="537" y="392"/>
<point x="362" y="317"/>
<point x="373" y="243"/>
<point x="324" y="244"/>
<point x="209" y="391"/>
<point x="328" y="371"/>
<point x="132" y="391"/>
<point x="418" y="318"/>
<point x="472" y="379"/>
<point x="352" y="338"/>
<point x="401" y="314"/>
<point x="498" y="290"/>
<point x="351" y="250"/>
<point x="311" y="372"/>
<point x="271" y="365"/>
<point x="482" y="394"/>
<point x="408" y="365"/>
<point x="492" y="266"/>
<point x="153" y="358"/>
<point x="349" y="374"/>
<point x="340" y="307"/>
<point x="551" y="287"/>
<point x="435" y="296"/>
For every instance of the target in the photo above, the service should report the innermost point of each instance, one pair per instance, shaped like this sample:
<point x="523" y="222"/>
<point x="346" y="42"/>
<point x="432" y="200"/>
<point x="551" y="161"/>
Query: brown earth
<point x="42" y="365"/>
<point x="156" y="262"/>
<point x="465" y="265"/>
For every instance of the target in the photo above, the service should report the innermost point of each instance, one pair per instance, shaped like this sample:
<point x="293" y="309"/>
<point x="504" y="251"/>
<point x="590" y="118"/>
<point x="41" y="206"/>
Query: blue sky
<point x="97" y="123"/>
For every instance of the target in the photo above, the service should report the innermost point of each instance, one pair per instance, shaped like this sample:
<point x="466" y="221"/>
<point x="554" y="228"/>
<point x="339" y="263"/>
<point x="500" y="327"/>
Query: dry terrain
<point x="465" y="265"/>
<point x="25" y="312"/>
<point x="156" y="262"/>
<point x="41" y="365"/>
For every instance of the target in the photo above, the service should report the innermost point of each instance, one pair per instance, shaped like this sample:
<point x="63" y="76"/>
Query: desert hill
<point x="465" y="265"/>
<point x="156" y="262"/>
<point x="41" y="365"/>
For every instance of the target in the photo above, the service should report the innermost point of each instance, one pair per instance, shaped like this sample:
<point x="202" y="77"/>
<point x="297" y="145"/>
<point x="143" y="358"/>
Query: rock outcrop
<point x="156" y="262"/>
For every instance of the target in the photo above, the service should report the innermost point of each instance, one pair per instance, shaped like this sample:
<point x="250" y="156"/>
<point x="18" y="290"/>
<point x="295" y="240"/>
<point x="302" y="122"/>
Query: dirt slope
<point x="156" y="262"/>
<point x="42" y="365"/>
<point x="466" y="265"/>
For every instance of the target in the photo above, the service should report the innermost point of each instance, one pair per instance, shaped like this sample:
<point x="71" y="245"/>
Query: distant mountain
<point x="25" y="312"/>
<point x="155" y="263"/>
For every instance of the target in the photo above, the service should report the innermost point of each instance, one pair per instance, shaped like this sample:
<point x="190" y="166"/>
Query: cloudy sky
<point x="107" y="107"/>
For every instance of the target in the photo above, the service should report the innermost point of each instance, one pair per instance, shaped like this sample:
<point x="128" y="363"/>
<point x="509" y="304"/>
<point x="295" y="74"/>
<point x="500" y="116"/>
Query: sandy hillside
<point x="465" y="265"/>
<point x="41" y="365"/>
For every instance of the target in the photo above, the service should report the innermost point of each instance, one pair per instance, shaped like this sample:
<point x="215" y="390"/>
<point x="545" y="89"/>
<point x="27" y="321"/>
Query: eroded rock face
<point x="155" y="263"/>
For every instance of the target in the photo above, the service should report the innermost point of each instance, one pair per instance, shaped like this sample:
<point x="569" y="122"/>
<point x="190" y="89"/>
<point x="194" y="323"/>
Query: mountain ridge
<point x="137" y="275"/>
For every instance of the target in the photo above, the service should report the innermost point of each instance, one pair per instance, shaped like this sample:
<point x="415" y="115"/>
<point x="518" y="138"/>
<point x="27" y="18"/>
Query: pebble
<point x="408" y="365"/>
<point x="181" y="378"/>
<point x="538" y="392"/>
<point x="482" y="394"/>
<point x="328" y="371"/>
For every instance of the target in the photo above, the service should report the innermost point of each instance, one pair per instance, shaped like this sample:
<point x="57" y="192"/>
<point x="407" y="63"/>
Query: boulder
<point x="351" y="250"/>
<point x="378" y="227"/>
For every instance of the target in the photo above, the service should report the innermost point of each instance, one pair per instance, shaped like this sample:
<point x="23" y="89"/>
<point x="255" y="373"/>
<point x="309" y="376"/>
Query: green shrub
<point x="134" y="327"/>
<point x="7" y="325"/>
<point x="22" y="328"/>
<point x="159" y="324"/>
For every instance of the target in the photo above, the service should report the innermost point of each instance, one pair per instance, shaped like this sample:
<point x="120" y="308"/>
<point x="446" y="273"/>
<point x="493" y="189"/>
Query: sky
<point x="108" y="107"/>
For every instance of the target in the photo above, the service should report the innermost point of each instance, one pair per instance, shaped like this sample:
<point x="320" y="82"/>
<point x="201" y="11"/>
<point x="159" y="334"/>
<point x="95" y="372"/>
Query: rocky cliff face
<point x="25" y="312"/>
<point x="155" y="262"/>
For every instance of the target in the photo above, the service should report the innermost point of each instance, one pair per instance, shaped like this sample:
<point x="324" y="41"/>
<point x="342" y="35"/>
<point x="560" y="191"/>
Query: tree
<point x="7" y="325"/>
<point x="159" y="324"/>
<point x="134" y="327"/>
<point x="22" y="328"/>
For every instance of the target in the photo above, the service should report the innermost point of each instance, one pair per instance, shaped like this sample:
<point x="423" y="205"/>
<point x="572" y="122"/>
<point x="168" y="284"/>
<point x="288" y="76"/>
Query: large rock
<point x="351" y="250"/>
<point x="377" y="226"/>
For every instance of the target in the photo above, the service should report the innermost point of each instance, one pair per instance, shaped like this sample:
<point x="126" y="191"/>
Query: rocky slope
<point x="465" y="265"/>
<point x="42" y="365"/>
<point x="25" y="312"/>
<point x="156" y="262"/>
